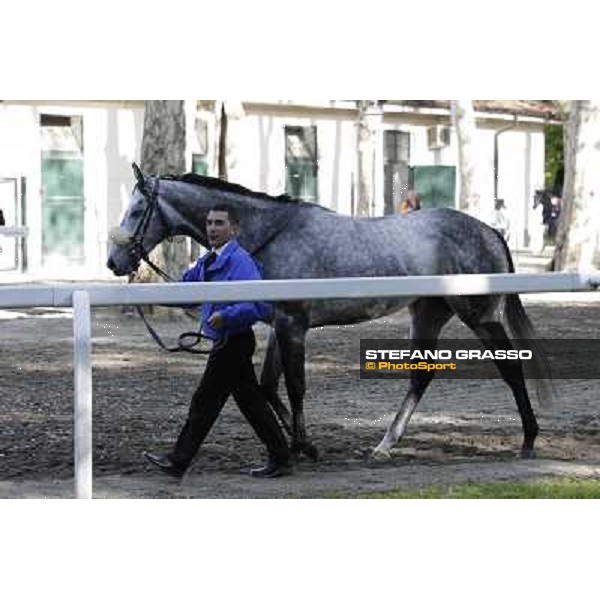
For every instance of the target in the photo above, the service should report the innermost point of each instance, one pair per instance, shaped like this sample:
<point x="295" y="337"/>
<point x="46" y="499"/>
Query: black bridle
<point x="137" y="251"/>
<point x="189" y="339"/>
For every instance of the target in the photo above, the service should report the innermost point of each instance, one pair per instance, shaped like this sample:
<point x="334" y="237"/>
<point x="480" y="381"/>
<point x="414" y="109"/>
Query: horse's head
<point x="537" y="198"/>
<point x="142" y="228"/>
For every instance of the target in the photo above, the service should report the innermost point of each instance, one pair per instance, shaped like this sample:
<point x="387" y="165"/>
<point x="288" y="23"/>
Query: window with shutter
<point x="301" y="162"/>
<point x="396" y="158"/>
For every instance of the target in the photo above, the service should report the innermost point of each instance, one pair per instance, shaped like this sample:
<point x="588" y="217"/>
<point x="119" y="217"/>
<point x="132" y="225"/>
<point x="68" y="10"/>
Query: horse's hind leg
<point x="291" y="328"/>
<point x="428" y="316"/>
<point x="269" y="381"/>
<point x="494" y="337"/>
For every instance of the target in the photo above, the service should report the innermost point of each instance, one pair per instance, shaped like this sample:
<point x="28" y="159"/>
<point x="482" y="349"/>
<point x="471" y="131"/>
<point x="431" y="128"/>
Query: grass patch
<point x="548" y="487"/>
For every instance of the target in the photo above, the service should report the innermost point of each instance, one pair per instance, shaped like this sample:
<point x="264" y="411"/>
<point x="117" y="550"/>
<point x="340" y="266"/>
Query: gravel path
<point x="462" y="430"/>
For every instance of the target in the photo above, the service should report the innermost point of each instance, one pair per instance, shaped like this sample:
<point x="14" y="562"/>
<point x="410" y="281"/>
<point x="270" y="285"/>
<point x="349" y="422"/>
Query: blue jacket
<point x="233" y="264"/>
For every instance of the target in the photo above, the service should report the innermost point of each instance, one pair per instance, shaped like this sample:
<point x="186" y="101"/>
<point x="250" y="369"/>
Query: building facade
<point x="65" y="167"/>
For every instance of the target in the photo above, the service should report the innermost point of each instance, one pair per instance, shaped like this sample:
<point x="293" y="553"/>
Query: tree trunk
<point x="231" y="114"/>
<point x="222" y="149"/>
<point x="369" y="124"/>
<point x="577" y="239"/>
<point x="463" y="120"/>
<point x="163" y="153"/>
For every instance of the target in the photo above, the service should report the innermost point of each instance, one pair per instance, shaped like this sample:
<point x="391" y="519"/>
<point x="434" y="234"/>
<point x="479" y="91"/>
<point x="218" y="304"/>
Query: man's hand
<point x="216" y="321"/>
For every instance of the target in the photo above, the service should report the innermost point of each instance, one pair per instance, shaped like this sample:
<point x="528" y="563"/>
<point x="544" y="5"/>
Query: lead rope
<point x="183" y="345"/>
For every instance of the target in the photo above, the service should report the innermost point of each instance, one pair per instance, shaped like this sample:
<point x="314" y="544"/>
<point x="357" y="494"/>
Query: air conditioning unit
<point x="438" y="136"/>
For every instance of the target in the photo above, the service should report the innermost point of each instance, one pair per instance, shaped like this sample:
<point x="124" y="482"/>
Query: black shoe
<point x="271" y="470"/>
<point x="164" y="463"/>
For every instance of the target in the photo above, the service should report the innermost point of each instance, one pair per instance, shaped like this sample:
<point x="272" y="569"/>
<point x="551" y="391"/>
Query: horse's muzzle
<point x="119" y="271"/>
<point x="110" y="263"/>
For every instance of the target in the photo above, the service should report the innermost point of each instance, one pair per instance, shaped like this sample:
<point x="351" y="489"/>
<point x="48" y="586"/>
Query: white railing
<point x="13" y="231"/>
<point x="15" y="255"/>
<point x="81" y="297"/>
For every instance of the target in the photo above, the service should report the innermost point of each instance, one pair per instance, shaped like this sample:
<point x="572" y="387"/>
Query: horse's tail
<point x="525" y="338"/>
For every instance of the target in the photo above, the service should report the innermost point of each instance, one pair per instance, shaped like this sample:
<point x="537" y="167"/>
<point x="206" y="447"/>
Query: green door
<point x="435" y="185"/>
<point x="63" y="213"/>
<point x="62" y="190"/>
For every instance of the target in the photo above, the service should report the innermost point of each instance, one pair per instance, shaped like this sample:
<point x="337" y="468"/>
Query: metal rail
<point x="28" y="296"/>
<point x="82" y="297"/>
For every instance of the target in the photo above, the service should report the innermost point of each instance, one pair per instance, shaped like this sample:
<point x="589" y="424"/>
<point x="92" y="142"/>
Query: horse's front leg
<point x="290" y="329"/>
<point x="428" y="316"/>
<point x="419" y="380"/>
<point x="269" y="381"/>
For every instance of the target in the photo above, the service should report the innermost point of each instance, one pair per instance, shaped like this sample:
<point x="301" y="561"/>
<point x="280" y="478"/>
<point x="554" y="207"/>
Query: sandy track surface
<point x="462" y="430"/>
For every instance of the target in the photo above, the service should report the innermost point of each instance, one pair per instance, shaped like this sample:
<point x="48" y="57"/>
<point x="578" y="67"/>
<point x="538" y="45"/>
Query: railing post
<point x="82" y="410"/>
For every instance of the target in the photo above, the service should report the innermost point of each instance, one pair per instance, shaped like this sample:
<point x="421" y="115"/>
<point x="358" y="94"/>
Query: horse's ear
<point x="138" y="173"/>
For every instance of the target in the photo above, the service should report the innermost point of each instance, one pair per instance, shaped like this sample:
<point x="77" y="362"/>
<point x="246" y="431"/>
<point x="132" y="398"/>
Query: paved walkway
<point x="530" y="262"/>
<point x="305" y="483"/>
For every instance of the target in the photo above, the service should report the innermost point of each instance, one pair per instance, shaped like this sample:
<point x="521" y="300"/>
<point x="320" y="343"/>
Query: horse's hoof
<point x="311" y="451"/>
<point x="380" y="454"/>
<point x="305" y="448"/>
<point x="527" y="453"/>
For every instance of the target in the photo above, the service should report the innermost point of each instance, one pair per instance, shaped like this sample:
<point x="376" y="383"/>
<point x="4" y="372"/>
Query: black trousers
<point x="229" y="370"/>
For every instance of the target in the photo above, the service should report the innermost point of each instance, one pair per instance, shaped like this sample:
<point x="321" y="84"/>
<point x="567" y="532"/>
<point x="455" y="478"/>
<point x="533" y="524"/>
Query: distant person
<point x="553" y="214"/>
<point x="500" y="220"/>
<point x="559" y="182"/>
<point x="411" y="203"/>
<point x="2" y="220"/>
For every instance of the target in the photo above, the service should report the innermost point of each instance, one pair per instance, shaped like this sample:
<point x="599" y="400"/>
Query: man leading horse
<point x="229" y="370"/>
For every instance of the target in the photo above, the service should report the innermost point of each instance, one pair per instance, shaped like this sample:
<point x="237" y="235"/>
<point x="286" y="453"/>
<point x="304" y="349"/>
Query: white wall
<point x="262" y="145"/>
<point x="521" y="171"/>
<point x="111" y="141"/>
<point x="112" y="138"/>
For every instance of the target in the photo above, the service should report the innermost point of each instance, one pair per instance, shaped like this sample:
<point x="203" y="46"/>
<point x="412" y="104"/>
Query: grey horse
<point x="294" y="239"/>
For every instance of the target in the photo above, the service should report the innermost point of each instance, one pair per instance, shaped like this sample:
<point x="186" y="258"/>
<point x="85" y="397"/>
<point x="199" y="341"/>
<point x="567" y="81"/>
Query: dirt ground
<point x="462" y="430"/>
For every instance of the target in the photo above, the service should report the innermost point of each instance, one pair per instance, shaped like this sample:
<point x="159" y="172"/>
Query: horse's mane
<point x="226" y="186"/>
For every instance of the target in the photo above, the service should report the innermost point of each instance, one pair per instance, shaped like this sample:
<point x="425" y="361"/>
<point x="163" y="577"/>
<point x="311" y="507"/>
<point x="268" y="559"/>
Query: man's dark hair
<point x="230" y="210"/>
